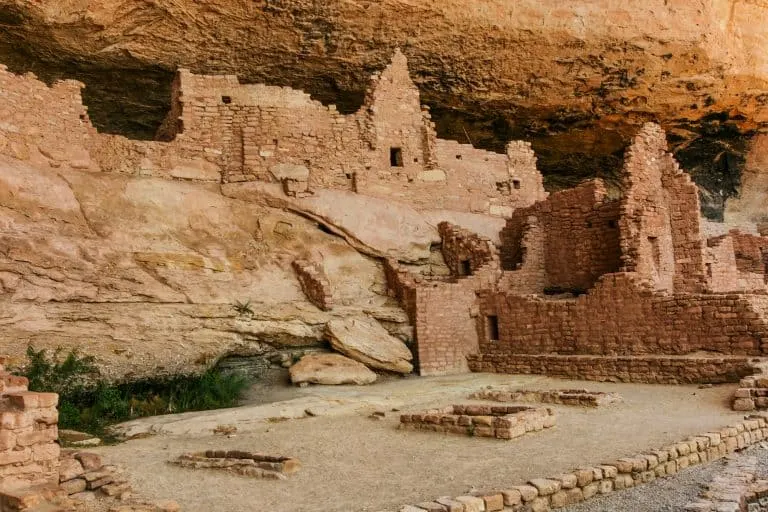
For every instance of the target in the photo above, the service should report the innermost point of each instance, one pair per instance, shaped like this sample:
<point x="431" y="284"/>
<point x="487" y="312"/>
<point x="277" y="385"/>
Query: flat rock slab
<point x="365" y="340"/>
<point x="378" y="227"/>
<point x="330" y="369"/>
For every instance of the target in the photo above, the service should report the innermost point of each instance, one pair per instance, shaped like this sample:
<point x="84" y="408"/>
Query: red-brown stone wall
<point x="622" y="316"/>
<point x="580" y="243"/>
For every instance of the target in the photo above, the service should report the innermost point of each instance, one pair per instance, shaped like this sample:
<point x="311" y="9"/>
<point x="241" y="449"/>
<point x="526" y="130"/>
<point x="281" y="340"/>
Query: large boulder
<point x="330" y="369"/>
<point x="365" y="340"/>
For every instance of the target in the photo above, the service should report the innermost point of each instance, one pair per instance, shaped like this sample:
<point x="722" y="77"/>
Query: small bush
<point x="90" y="404"/>
<point x="243" y="308"/>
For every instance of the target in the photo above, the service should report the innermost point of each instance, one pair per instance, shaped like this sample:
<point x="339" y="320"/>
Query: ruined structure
<point x="577" y="283"/>
<point x="591" y="287"/>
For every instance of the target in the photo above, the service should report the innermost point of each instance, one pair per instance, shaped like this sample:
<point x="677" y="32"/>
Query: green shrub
<point x="90" y="404"/>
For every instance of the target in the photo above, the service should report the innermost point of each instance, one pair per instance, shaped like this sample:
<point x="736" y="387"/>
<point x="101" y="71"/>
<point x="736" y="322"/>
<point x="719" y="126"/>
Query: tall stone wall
<point x="659" y="219"/>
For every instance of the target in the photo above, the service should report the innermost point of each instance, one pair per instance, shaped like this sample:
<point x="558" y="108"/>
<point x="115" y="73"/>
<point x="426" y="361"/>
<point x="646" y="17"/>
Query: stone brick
<point x="545" y="486"/>
<point x="493" y="502"/>
<point x="471" y="503"/>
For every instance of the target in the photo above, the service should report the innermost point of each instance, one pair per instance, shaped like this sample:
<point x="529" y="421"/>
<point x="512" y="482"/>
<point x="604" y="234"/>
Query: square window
<point x="396" y="157"/>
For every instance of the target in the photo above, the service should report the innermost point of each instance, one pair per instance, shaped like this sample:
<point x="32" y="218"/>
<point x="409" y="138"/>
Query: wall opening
<point x="656" y="252"/>
<point x="226" y="100"/>
<point x="492" y="327"/>
<point x="465" y="268"/>
<point x="709" y="270"/>
<point x="396" y="157"/>
<point x="516" y="184"/>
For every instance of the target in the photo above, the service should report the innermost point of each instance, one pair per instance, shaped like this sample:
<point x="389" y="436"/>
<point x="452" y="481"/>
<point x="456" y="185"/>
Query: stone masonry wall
<point x="639" y="369"/>
<point x="443" y="310"/>
<point x="621" y="317"/>
<point x="734" y="263"/>
<point x="47" y="125"/>
<point x="659" y="217"/>
<point x="580" y="234"/>
<point x="29" y="454"/>
<point x="219" y="130"/>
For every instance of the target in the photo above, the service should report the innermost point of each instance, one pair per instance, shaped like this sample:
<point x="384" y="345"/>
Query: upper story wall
<point x="46" y="125"/>
<point x="659" y="222"/>
<point x="219" y="130"/>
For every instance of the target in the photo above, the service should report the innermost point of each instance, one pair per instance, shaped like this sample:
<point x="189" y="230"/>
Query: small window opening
<point x="709" y="270"/>
<point x="589" y="223"/>
<point x="348" y="175"/>
<point x="654" y="241"/>
<point x="516" y="184"/>
<point x="458" y="157"/>
<point x="226" y="100"/>
<point x="492" y="327"/>
<point x="416" y="160"/>
<point x="465" y="268"/>
<point x="396" y="157"/>
<point x="274" y="141"/>
<point x="612" y="224"/>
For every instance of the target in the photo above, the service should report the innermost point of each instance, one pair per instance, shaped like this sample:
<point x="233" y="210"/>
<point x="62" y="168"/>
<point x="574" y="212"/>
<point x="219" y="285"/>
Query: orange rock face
<point x="576" y="78"/>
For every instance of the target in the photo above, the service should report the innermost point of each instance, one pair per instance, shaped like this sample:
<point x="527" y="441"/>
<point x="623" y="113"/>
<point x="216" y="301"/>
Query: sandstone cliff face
<point x="143" y="273"/>
<point x="574" y="77"/>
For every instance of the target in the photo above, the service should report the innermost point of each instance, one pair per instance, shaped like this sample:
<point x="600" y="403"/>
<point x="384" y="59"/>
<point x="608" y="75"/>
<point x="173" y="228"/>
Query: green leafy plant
<point x="90" y="404"/>
<point x="243" y="308"/>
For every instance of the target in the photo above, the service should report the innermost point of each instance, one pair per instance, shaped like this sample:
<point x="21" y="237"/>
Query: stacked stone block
<point x="29" y="454"/>
<point x="314" y="283"/>
<point x="559" y="491"/>
<point x="752" y="394"/>
<point x="242" y="463"/>
<point x="501" y="422"/>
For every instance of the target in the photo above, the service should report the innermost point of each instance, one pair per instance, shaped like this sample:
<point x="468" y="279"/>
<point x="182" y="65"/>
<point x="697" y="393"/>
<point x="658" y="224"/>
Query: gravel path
<point x="669" y="494"/>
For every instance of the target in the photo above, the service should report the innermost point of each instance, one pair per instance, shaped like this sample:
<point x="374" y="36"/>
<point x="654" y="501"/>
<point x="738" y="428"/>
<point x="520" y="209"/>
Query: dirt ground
<point x="354" y="463"/>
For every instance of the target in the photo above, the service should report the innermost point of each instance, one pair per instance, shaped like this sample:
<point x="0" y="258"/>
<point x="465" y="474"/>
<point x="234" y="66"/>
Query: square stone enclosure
<point x="574" y="397"/>
<point x="501" y="422"/>
<point x="243" y="463"/>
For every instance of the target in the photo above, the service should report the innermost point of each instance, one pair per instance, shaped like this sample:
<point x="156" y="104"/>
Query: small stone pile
<point x="243" y="463"/>
<point x="735" y="489"/>
<point x="752" y="394"/>
<point x="580" y="397"/>
<point x="81" y="474"/>
<point x="501" y="422"/>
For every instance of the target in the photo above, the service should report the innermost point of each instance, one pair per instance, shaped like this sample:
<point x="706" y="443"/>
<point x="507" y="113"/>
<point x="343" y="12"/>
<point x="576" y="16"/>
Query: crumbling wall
<point x="735" y="262"/>
<point x="314" y="283"/>
<point x="621" y="315"/>
<point x="659" y="219"/>
<point x="443" y="310"/>
<point x="465" y="252"/>
<point x="580" y="240"/>
<point x="45" y="125"/>
<point x="29" y="453"/>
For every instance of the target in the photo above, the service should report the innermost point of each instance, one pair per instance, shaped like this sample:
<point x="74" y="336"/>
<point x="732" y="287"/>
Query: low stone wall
<point x="501" y="422"/>
<point x="640" y="369"/>
<point x="735" y="489"/>
<point x="550" y="396"/>
<point x="242" y="463"/>
<point x="543" y="494"/>
<point x="314" y="283"/>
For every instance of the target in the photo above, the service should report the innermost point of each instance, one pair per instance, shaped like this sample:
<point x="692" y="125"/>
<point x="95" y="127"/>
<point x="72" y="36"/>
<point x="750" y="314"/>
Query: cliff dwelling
<point x="345" y="286"/>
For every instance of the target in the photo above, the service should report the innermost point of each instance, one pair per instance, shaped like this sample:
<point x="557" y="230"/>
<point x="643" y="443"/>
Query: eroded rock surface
<point x="330" y="369"/>
<point x="365" y="340"/>
<point x="143" y="273"/>
<point x="577" y="78"/>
